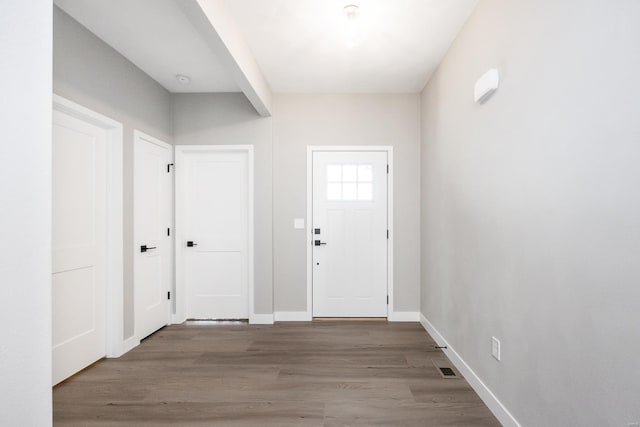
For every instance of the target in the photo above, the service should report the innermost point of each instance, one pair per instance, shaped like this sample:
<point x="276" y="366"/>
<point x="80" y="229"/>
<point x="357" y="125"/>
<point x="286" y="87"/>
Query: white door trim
<point x="318" y="148"/>
<point x="180" y="293"/>
<point x="141" y="136"/>
<point x="115" y="281"/>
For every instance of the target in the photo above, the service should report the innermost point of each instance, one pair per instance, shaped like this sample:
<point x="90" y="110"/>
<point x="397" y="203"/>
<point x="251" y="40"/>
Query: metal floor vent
<point x="444" y="368"/>
<point x="447" y="372"/>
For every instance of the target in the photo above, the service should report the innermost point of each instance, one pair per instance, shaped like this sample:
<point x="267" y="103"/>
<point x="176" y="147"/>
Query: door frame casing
<point x="180" y="285"/>
<point x="114" y="345"/>
<point x="351" y="148"/>
<point x="138" y="137"/>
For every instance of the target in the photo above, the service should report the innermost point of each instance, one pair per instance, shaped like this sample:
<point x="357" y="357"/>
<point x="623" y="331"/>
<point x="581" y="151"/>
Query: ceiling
<point x="299" y="45"/>
<point x="158" y="38"/>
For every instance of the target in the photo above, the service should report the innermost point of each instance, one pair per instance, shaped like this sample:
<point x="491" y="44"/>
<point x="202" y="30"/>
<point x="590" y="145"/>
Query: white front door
<point x="349" y="234"/>
<point x="152" y="223"/>
<point x="79" y="244"/>
<point x="215" y="234"/>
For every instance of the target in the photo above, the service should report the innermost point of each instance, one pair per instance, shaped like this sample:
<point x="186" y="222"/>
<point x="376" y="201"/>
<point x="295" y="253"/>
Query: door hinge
<point x="387" y="168"/>
<point x="387" y="299"/>
<point x="387" y="234"/>
<point x="169" y="167"/>
<point x="169" y="296"/>
<point x="168" y="231"/>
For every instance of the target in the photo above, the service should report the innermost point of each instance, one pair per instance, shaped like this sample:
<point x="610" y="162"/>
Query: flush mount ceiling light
<point x="182" y="79"/>
<point x="351" y="13"/>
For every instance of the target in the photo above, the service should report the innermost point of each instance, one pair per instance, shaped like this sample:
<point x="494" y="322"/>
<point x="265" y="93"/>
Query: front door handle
<point x="318" y="243"/>
<point x="190" y="244"/>
<point x="145" y="248"/>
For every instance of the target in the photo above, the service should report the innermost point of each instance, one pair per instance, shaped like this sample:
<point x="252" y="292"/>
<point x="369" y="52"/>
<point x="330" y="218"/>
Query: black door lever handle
<point x="145" y="248"/>
<point x="190" y="244"/>
<point x="318" y="243"/>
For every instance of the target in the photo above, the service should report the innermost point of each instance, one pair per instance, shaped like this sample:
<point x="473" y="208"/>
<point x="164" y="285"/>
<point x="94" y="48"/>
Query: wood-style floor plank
<point x="337" y="373"/>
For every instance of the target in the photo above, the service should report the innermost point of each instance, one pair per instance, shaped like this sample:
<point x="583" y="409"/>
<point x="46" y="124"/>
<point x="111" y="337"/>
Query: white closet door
<point x="216" y="234"/>
<point x="79" y="244"/>
<point x="152" y="207"/>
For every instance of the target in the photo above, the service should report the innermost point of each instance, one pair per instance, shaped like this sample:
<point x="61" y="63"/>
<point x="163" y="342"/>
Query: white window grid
<point x="350" y="182"/>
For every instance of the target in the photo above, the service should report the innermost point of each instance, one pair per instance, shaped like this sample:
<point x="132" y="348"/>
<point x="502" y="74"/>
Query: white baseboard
<point x="126" y="346"/>
<point x="404" y="316"/>
<point x="129" y="344"/>
<point x="261" y="319"/>
<point x="292" y="316"/>
<point x="303" y="316"/>
<point x="497" y="408"/>
<point x="177" y="320"/>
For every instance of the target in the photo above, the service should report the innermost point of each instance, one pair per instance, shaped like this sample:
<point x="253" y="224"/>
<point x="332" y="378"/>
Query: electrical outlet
<point x="495" y="348"/>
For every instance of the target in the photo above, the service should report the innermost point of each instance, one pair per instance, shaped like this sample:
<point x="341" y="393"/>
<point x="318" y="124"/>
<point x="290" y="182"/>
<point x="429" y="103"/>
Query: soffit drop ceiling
<point x="300" y="45"/>
<point x="158" y="38"/>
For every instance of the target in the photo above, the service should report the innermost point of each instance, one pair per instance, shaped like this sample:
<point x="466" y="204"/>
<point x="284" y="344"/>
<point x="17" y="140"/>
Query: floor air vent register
<point x="444" y="368"/>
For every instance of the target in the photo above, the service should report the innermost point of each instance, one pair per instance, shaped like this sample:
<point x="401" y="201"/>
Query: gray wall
<point x="304" y="120"/>
<point x="87" y="71"/>
<point x="531" y="207"/>
<point x="25" y="213"/>
<point x="229" y="119"/>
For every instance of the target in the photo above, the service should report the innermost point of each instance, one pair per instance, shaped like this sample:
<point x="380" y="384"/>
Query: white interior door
<point x="350" y="234"/>
<point x="152" y="224"/>
<point x="215" y="233"/>
<point x="79" y="244"/>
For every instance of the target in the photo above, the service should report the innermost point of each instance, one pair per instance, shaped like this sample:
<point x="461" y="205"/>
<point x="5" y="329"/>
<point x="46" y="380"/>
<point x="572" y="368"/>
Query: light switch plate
<point x="495" y="348"/>
<point x="298" y="223"/>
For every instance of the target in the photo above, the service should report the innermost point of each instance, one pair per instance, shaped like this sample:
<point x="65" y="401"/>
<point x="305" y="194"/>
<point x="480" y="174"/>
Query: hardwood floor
<point x="289" y="374"/>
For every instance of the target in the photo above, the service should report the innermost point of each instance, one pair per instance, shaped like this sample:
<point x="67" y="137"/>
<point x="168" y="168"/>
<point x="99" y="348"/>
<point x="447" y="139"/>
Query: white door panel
<point x="152" y="206"/>
<point x="78" y="245"/>
<point x="350" y="212"/>
<point x="219" y="199"/>
<point x="216" y="209"/>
